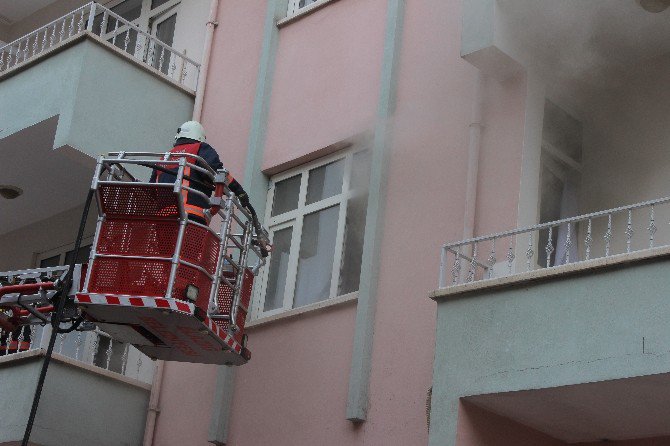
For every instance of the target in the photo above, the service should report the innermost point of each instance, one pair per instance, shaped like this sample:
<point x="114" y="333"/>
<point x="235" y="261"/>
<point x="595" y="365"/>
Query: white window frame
<point x="295" y="219"/>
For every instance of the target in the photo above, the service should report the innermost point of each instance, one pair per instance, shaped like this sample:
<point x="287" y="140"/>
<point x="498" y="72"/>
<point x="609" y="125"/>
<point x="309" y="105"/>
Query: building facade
<point x="371" y="135"/>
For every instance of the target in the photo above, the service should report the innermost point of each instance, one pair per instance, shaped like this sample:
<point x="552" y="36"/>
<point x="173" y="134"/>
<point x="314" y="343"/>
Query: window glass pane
<point x="304" y="3"/>
<point x="274" y="295"/>
<point x="156" y="3"/>
<point x="350" y="269"/>
<point x="105" y="353"/>
<point x="129" y="10"/>
<point x="51" y="261"/>
<point x="325" y="181"/>
<point x="82" y="257"/>
<point x="317" y="249"/>
<point x="165" y="33"/>
<point x="360" y="171"/>
<point x="354" y="230"/>
<point x="165" y="30"/>
<point x="286" y="195"/>
<point x="120" y="41"/>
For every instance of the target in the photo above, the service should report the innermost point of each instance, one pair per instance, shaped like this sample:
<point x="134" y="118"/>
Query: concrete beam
<point x="361" y="363"/>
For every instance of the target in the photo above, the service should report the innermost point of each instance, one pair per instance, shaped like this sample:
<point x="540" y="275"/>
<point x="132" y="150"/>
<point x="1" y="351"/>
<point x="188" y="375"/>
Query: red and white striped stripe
<point x="161" y="303"/>
<point x="135" y="301"/>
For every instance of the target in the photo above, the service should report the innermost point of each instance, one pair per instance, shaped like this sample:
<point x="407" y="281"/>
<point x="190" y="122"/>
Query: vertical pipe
<point x="474" y="147"/>
<point x="443" y="266"/>
<point x="204" y="66"/>
<point x="154" y="400"/>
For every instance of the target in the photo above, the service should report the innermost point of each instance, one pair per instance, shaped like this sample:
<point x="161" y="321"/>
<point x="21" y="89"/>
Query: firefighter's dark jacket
<point x="208" y="153"/>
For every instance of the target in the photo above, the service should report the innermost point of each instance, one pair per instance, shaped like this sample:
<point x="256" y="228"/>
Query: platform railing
<point x="617" y="231"/>
<point x="110" y="27"/>
<point x="94" y="348"/>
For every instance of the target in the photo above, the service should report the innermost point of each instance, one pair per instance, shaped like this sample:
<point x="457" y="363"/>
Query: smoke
<point x="605" y="64"/>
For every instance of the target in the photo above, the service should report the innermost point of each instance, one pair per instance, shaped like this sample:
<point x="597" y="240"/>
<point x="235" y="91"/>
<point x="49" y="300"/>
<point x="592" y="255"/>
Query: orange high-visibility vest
<point x="192" y="149"/>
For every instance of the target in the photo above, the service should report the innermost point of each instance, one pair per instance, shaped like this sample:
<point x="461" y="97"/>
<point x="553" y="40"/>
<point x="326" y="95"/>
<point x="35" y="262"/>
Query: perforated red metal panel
<point x="200" y="247"/>
<point x="135" y="277"/>
<point x="138" y="201"/>
<point x="132" y="237"/>
<point x="224" y="296"/>
<point x="224" y="300"/>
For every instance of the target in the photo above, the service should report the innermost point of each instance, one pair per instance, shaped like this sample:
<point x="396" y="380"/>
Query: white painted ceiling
<point x="16" y="10"/>
<point x="53" y="181"/>
<point x="613" y="410"/>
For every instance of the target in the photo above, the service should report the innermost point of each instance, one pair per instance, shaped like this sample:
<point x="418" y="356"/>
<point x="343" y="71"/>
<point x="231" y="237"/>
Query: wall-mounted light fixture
<point x="9" y="192"/>
<point x="654" y="5"/>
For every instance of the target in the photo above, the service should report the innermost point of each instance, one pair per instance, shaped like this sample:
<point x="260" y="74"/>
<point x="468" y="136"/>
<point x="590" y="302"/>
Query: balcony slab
<point x="588" y="322"/>
<point x="80" y="405"/>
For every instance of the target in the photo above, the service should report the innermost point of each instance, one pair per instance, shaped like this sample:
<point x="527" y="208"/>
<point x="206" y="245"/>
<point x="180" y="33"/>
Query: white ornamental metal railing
<point x="99" y="21"/>
<point x="617" y="231"/>
<point x="95" y="347"/>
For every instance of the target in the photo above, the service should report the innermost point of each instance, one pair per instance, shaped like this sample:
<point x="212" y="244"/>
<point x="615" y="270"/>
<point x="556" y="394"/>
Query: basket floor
<point x="165" y="329"/>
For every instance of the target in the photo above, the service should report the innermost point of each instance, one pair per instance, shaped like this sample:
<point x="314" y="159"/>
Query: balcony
<point x="86" y="84"/>
<point x="560" y="327"/>
<point x="91" y="377"/>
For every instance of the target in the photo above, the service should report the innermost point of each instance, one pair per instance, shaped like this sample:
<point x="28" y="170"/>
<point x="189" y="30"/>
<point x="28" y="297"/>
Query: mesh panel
<point x="224" y="296"/>
<point x="138" y="201"/>
<point x="134" y="277"/>
<point x="200" y="247"/>
<point x="131" y="237"/>
<point x="224" y="299"/>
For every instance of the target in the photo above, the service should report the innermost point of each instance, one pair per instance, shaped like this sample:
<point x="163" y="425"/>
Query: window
<point x="156" y="17"/>
<point x="316" y="218"/>
<point x="560" y="177"/>
<point x="63" y="255"/>
<point x="294" y="6"/>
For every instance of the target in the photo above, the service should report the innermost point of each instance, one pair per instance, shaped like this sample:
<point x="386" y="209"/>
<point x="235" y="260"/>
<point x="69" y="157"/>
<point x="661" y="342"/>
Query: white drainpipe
<point x="204" y="67"/>
<point x="474" y="147"/>
<point x="154" y="400"/>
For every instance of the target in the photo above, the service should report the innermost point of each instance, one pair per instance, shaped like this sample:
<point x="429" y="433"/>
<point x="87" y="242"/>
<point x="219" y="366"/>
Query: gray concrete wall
<point x="119" y="106"/>
<point x="44" y="90"/>
<point x="570" y="330"/>
<point x="104" y="101"/>
<point x="19" y="249"/>
<point x="77" y="408"/>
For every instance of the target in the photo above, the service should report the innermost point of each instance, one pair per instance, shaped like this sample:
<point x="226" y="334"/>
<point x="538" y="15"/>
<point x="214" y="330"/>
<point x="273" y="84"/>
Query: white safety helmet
<point x="192" y="130"/>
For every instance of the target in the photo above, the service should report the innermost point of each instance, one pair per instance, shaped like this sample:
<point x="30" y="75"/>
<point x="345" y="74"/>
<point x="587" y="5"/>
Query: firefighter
<point x="190" y="138"/>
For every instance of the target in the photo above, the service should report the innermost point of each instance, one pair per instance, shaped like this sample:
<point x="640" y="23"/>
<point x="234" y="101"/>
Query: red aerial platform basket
<point x="174" y="288"/>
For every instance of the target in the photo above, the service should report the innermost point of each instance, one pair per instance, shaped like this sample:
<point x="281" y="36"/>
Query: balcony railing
<point x="600" y="234"/>
<point x="94" y="348"/>
<point x="99" y="21"/>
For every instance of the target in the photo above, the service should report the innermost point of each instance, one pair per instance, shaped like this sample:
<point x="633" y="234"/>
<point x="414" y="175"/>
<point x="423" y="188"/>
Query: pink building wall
<point x="326" y="88"/>
<point x="294" y="391"/>
<point x="326" y="81"/>
<point x="658" y="441"/>
<point x="186" y="394"/>
<point x="478" y="427"/>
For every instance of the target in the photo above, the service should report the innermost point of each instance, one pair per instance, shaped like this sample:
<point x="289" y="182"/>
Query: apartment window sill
<point x="318" y="306"/>
<point x="302" y="12"/>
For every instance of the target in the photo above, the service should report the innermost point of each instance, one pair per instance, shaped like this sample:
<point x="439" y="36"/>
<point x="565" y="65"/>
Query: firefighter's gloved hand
<point x="244" y="199"/>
